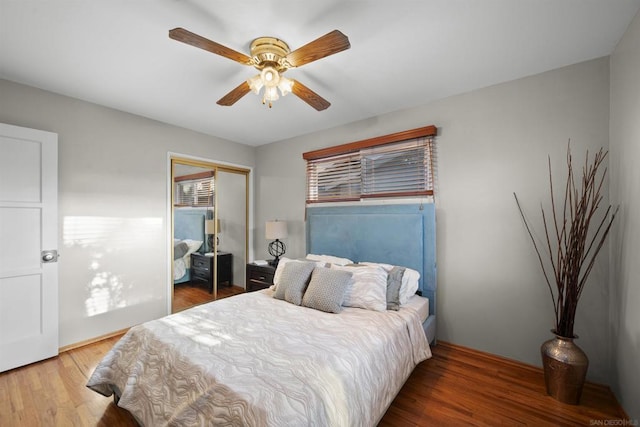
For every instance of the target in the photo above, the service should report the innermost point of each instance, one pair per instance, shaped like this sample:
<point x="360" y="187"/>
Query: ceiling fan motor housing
<point x="269" y="51"/>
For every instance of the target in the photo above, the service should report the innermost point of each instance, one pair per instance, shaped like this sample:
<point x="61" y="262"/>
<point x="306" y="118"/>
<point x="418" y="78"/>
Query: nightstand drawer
<point x="200" y="273"/>
<point x="259" y="277"/>
<point x="200" y="262"/>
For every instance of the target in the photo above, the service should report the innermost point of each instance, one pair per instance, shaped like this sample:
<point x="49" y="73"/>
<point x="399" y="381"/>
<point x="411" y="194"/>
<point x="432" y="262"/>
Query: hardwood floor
<point x="186" y="295"/>
<point x="460" y="386"/>
<point x="456" y="387"/>
<point x="53" y="392"/>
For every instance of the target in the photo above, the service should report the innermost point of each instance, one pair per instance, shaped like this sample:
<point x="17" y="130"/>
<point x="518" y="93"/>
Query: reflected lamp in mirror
<point x="276" y="230"/>
<point x="212" y="228"/>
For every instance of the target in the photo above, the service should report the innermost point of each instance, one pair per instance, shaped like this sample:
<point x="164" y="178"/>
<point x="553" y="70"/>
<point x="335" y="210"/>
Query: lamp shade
<point x="211" y="226"/>
<point x="276" y="230"/>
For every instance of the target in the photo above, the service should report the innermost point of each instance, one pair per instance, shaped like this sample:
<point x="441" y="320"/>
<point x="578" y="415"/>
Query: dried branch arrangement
<point x="570" y="250"/>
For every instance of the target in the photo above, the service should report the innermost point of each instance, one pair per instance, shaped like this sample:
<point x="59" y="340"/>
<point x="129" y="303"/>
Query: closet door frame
<point x="218" y="166"/>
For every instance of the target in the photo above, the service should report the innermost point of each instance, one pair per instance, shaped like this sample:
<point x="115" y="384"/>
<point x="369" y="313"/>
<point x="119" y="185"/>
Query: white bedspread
<point x="179" y="268"/>
<point x="253" y="360"/>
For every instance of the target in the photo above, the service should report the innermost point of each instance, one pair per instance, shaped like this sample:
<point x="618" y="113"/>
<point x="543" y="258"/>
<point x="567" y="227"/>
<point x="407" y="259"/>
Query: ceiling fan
<point x="272" y="57"/>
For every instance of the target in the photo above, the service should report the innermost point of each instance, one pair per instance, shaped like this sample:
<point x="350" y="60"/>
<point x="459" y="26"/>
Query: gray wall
<point x="491" y="142"/>
<point x="113" y="180"/>
<point x="625" y="191"/>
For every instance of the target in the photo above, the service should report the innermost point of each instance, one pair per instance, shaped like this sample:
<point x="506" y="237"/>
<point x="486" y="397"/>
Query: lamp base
<point x="210" y="242"/>
<point x="273" y="262"/>
<point x="276" y="249"/>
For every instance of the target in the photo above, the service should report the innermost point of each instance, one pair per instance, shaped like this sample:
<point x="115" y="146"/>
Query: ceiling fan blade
<point x="309" y="96"/>
<point x="321" y="47"/>
<point x="185" y="36"/>
<point x="233" y="96"/>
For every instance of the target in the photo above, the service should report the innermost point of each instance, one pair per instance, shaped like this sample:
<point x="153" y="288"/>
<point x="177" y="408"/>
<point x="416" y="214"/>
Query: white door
<point x="28" y="244"/>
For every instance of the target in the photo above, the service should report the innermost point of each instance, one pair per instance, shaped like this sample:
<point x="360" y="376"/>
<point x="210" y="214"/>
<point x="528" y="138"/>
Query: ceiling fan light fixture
<point x="270" y="95"/>
<point x="270" y="76"/>
<point x="255" y="83"/>
<point x="285" y="85"/>
<point x="271" y="80"/>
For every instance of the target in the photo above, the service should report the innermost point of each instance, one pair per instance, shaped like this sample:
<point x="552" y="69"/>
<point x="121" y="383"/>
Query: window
<point x="397" y="165"/>
<point x="195" y="191"/>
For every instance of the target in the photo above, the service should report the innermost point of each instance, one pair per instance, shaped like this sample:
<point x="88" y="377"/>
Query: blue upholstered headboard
<point x="189" y="224"/>
<point x="394" y="234"/>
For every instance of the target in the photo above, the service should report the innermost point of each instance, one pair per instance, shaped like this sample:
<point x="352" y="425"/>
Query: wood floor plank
<point x="457" y="387"/>
<point x="186" y="295"/>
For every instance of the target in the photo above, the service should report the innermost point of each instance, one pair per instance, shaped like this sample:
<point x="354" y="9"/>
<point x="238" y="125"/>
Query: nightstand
<point x="259" y="276"/>
<point x="202" y="266"/>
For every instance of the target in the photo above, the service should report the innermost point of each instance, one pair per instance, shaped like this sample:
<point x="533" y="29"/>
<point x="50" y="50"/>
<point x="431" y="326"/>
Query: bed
<point x="189" y="237"/>
<point x="278" y="363"/>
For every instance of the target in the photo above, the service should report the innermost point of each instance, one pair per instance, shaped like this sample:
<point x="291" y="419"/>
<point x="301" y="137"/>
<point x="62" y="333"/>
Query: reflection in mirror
<point x="209" y="211"/>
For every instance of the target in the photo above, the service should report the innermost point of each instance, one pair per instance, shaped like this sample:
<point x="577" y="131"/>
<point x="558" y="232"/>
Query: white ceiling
<point x="403" y="53"/>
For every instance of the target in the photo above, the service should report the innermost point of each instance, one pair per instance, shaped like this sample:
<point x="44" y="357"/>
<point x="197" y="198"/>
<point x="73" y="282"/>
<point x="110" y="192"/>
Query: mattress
<point x="420" y="305"/>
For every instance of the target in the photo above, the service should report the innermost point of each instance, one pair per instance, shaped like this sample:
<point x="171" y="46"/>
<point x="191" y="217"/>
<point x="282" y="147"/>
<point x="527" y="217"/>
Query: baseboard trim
<point x="506" y="361"/>
<point x="489" y="356"/>
<point x="92" y="340"/>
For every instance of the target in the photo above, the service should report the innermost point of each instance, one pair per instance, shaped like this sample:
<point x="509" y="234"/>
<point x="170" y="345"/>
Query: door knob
<point x="49" y="256"/>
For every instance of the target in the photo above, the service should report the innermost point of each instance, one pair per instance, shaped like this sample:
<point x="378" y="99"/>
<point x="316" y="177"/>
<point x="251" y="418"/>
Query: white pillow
<point x="410" y="280"/>
<point x="329" y="259"/>
<point x="368" y="288"/>
<point x="409" y="286"/>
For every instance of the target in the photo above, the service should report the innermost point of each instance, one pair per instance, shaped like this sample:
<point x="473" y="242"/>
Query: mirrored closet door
<point x="210" y="231"/>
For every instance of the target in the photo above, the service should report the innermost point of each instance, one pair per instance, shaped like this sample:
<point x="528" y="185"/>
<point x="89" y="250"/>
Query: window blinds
<point x="334" y="179"/>
<point x="398" y="169"/>
<point x="403" y="168"/>
<point x="196" y="192"/>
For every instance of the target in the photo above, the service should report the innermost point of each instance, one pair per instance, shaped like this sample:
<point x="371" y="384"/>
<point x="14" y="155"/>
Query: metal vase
<point x="565" y="369"/>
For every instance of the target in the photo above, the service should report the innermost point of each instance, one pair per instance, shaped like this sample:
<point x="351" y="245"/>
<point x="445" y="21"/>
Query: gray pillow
<point x="180" y="249"/>
<point x="293" y="281"/>
<point x="326" y="290"/>
<point x="394" y="282"/>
